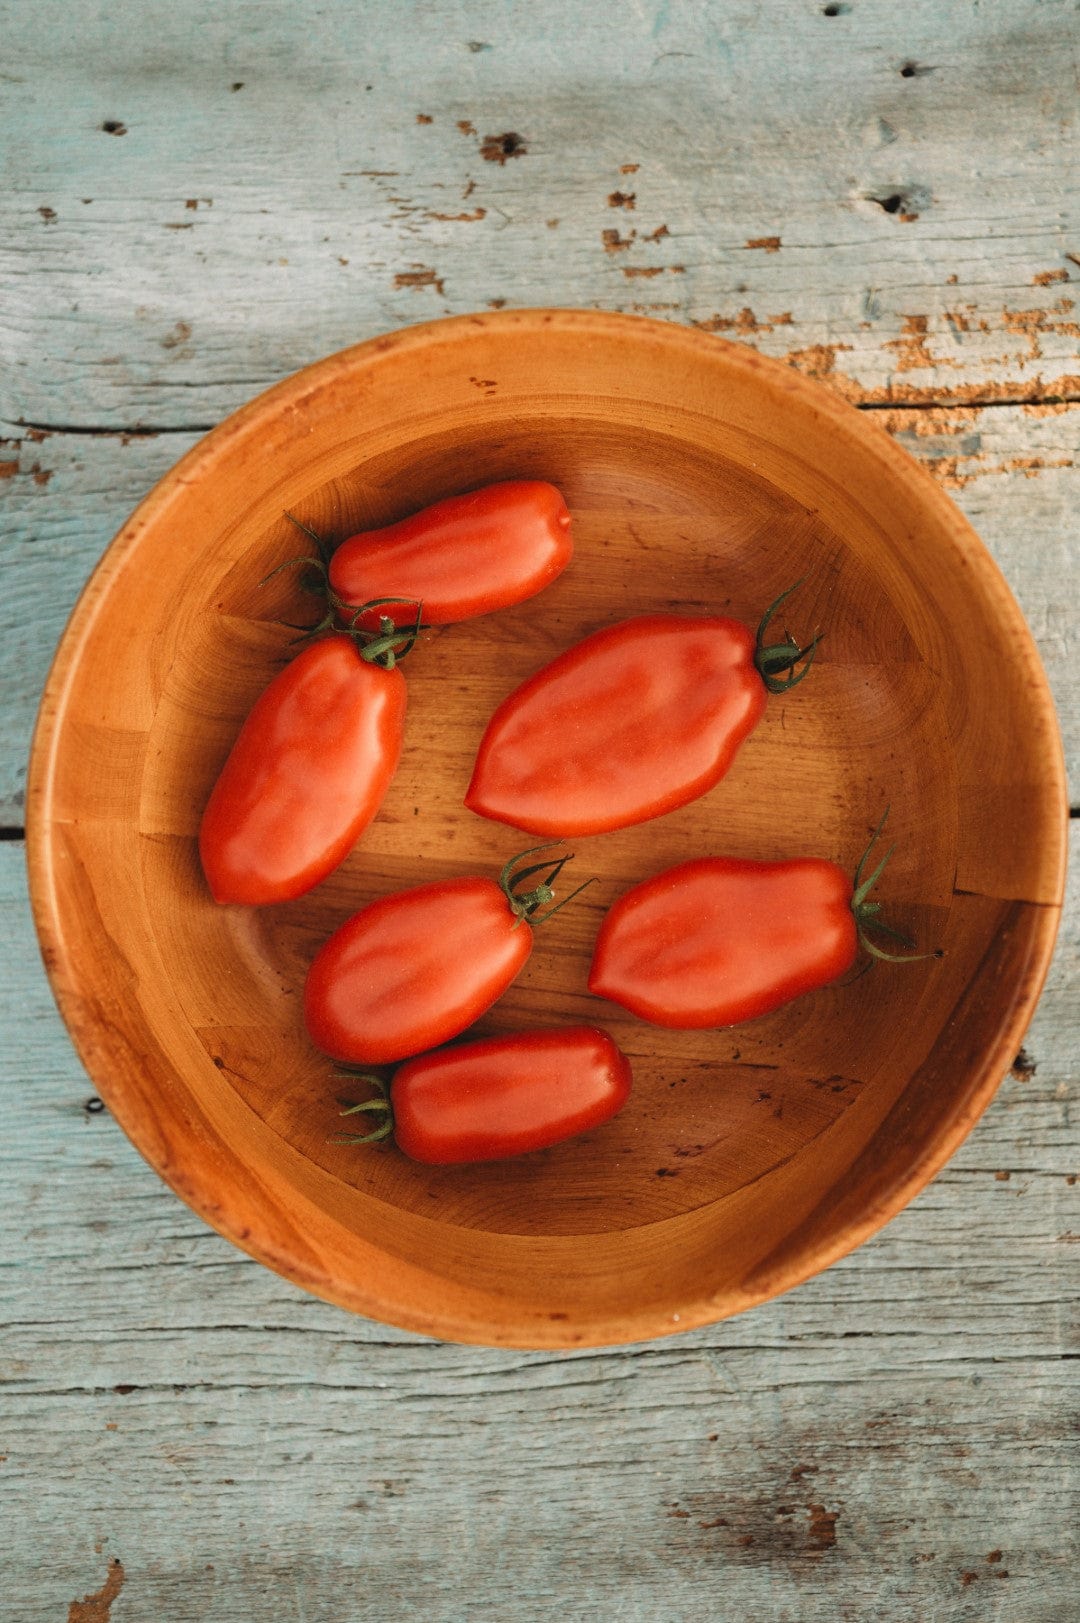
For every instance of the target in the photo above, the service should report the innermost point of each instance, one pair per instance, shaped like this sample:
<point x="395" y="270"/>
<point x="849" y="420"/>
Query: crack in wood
<point x="153" y="430"/>
<point x="142" y="431"/>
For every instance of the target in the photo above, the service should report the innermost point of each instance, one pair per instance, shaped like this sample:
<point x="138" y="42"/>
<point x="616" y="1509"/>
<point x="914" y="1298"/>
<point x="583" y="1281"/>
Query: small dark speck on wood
<point x="900" y="204"/>
<point x="478" y="45"/>
<point x="497" y="148"/>
<point x="914" y="70"/>
<point x="113" y="126"/>
<point x="622" y="200"/>
<point x="47" y="214"/>
<point x="1023" y="1067"/>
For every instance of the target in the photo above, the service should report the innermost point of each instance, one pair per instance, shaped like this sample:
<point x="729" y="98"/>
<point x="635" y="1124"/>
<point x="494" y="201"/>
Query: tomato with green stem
<point x="718" y="940"/>
<point x="465" y="556"/>
<point x="413" y="969"/>
<point x="498" y="1097"/>
<point x="636" y="720"/>
<point x="309" y="768"/>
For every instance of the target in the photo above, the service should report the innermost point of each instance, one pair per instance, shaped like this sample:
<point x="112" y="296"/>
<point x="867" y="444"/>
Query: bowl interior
<point x="701" y="480"/>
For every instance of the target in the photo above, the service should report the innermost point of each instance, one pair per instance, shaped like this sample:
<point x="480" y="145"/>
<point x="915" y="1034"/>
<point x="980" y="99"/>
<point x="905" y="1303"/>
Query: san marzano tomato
<point x="306" y="774"/>
<point x="634" y="721"/>
<point x="501" y="1096"/>
<point x="413" y="969"/>
<point x="464" y="556"/>
<point x="716" y="941"/>
<point x="720" y="940"/>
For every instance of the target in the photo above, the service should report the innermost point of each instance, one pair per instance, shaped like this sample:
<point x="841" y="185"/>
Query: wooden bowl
<point x="701" y="478"/>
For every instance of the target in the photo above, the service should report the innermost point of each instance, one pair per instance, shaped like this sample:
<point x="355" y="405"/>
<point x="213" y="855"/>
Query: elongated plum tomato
<point x="413" y="969"/>
<point x="462" y="557"/>
<point x="634" y="721"/>
<point x="502" y="1096"/>
<point x="305" y="776"/>
<point x="719" y="940"/>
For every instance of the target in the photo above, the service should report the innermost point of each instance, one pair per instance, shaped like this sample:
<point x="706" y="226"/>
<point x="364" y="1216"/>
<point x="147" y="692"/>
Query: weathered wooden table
<point x="199" y="198"/>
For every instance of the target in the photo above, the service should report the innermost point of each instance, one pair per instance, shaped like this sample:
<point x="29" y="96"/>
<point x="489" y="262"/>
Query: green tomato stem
<point x="783" y="665"/>
<point x="383" y="647"/>
<point x="866" y="913"/>
<point x="529" y="904"/>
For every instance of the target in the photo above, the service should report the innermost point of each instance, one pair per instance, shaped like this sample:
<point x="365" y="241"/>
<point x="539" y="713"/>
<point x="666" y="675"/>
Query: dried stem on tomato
<point x="379" y="1107"/>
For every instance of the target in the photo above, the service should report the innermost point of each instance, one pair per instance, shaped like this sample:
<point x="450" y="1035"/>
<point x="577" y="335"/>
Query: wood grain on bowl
<point x="702" y="479"/>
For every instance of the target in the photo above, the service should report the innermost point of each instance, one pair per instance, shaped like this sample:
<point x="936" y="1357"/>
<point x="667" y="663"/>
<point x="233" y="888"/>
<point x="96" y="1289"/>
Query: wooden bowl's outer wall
<point x="130" y="735"/>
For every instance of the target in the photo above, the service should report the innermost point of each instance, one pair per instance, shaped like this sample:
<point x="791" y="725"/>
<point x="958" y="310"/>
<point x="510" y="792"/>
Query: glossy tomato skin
<point x="465" y="556"/>
<point x="306" y="775"/>
<point x="718" y="941"/>
<point x="634" y="721"/>
<point x="412" y="970"/>
<point x="507" y="1095"/>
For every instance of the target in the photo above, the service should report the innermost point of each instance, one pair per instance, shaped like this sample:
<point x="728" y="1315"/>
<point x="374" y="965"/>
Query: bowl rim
<point x="197" y="1192"/>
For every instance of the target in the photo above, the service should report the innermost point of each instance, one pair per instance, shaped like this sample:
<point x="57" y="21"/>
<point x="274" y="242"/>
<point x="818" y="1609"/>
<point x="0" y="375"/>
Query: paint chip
<point x="97" y="1607"/>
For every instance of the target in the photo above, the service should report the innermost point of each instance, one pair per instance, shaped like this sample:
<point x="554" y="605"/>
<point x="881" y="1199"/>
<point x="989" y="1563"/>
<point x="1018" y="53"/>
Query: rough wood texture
<point x="315" y="1464"/>
<point x="886" y="193"/>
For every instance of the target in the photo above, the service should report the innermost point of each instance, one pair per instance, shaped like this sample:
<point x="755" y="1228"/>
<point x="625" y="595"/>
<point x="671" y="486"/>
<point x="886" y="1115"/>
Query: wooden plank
<point x="201" y="202"/>
<point x="867" y="1444"/>
<point x="1010" y="468"/>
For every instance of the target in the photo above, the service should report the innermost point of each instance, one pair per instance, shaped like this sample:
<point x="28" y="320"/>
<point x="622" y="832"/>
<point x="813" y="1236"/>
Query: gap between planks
<point x="153" y="430"/>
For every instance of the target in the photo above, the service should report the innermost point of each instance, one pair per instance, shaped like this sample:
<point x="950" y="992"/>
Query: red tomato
<point x="306" y="775"/>
<point x="717" y="941"/>
<point x="465" y="556"/>
<point x="413" y="969"/>
<point x="503" y="1096"/>
<point x="636" y="720"/>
